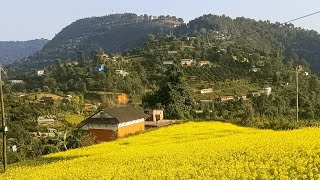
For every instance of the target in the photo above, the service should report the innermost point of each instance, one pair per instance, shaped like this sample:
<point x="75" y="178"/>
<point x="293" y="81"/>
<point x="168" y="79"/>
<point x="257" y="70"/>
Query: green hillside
<point x="187" y="151"/>
<point x="261" y="37"/>
<point x="113" y="33"/>
<point x="11" y="51"/>
<point x="125" y="32"/>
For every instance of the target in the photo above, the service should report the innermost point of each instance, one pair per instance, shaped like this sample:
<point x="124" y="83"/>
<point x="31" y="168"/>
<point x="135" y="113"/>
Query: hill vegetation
<point x="188" y="151"/>
<point x="261" y="37"/>
<point x="11" y="51"/>
<point x="113" y="33"/>
<point x="124" y="32"/>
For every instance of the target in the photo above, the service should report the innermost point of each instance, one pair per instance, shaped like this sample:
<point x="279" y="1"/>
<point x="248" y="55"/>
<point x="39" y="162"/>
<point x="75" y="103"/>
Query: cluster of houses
<point x="264" y="91"/>
<point x="189" y="62"/>
<point x="109" y="124"/>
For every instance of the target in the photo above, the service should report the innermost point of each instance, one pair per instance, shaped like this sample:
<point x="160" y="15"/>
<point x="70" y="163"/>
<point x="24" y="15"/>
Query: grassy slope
<point x="192" y="150"/>
<point x="74" y="118"/>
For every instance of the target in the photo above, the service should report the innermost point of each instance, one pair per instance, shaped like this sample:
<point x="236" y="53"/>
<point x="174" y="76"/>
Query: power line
<point x="302" y="17"/>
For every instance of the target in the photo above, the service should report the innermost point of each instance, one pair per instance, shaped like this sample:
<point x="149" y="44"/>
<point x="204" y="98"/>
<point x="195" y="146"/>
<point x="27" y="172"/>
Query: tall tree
<point x="174" y="95"/>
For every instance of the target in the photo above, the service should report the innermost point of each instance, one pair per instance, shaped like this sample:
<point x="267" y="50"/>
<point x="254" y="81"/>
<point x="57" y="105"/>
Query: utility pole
<point x="4" y="127"/>
<point x="297" y="100"/>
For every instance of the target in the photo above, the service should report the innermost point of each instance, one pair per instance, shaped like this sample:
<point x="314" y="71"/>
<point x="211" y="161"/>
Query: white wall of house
<point x="130" y="123"/>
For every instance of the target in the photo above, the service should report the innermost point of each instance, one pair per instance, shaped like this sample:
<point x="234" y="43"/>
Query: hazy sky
<point x="31" y="19"/>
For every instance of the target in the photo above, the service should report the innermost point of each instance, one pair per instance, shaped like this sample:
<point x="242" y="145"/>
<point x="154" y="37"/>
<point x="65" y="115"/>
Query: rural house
<point x="45" y="121"/>
<point x="204" y="63"/>
<point x="226" y="98"/>
<point x="155" y="115"/>
<point x="16" y="81"/>
<point x="167" y="62"/>
<point x="206" y="91"/>
<point x="172" y="52"/>
<point x="111" y="123"/>
<point x="186" y="62"/>
<point x="40" y="73"/>
<point x="256" y="94"/>
<point x="267" y="91"/>
<point x="206" y="101"/>
<point x="243" y="97"/>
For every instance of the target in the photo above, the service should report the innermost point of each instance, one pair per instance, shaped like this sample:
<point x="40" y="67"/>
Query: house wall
<point x="157" y="112"/>
<point x="153" y="114"/>
<point x="107" y="132"/>
<point x="102" y="134"/>
<point x="126" y="130"/>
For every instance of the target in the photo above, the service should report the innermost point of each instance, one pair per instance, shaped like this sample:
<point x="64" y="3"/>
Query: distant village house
<point x="206" y="101"/>
<point x="206" y="91"/>
<point x="155" y="115"/>
<point x="267" y="91"/>
<point x="226" y="98"/>
<point x="172" y="52"/>
<point x="167" y="62"/>
<point x="186" y="62"/>
<point x="45" y="121"/>
<point x="205" y="63"/>
<point x="243" y="97"/>
<point x="16" y="81"/>
<point x="40" y="73"/>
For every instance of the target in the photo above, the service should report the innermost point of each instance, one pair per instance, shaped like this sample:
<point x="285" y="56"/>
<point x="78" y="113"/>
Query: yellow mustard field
<point x="205" y="150"/>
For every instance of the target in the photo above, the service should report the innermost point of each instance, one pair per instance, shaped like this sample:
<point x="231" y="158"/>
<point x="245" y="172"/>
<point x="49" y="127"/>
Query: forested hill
<point x="113" y="33"/>
<point x="122" y="32"/>
<point x="11" y="51"/>
<point x="260" y="37"/>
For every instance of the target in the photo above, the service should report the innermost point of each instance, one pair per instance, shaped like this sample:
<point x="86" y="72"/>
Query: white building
<point x="45" y="121"/>
<point x="167" y="62"/>
<point x="172" y="52"/>
<point x="206" y="91"/>
<point x="40" y="73"/>
<point x="186" y="62"/>
<point x="254" y="69"/>
<point x="267" y="91"/>
<point x="16" y="81"/>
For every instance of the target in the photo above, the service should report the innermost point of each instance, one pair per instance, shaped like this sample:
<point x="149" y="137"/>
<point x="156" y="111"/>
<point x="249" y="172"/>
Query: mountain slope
<point x="113" y="33"/>
<point x="262" y="37"/>
<point x="11" y="51"/>
<point x="122" y="32"/>
<point x="204" y="150"/>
